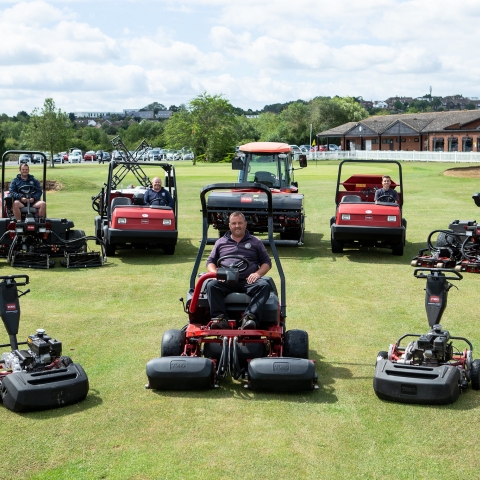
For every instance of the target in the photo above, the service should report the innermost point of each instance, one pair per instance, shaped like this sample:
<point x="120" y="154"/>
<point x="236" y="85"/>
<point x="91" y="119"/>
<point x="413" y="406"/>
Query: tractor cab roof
<point x="265" y="147"/>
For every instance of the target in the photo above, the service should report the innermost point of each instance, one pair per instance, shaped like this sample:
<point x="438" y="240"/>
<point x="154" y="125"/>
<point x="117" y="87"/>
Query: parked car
<point x="187" y="156"/>
<point x="75" y="156"/>
<point x="154" y="155"/>
<point x="25" y="158"/>
<point x="64" y="155"/>
<point x="333" y="148"/>
<point x="173" y="155"/>
<point x="305" y="148"/>
<point x="57" y="158"/>
<point x="295" y="149"/>
<point x="37" y="158"/>
<point x="322" y="148"/>
<point x="90" y="156"/>
<point x="105" y="157"/>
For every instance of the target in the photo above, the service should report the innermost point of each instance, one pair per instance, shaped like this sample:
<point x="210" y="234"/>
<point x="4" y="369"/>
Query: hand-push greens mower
<point x="431" y="369"/>
<point x="39" y="377"/>
<point x="199" y="355"/>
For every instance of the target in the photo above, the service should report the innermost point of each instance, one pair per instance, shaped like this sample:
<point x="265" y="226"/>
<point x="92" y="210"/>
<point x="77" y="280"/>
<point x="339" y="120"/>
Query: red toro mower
<point x="457" y="247"/>
<point x="360" y="221"/>
<point x="430" y="369"/>
<point x="269" y="358"/>
<point x="39" y="377"/>
<point x="33" y="242"/>
<point x="125" y="220"/>
<point x="268" y="163"/>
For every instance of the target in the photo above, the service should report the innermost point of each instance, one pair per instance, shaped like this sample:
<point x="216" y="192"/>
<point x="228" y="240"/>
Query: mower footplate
<point x="27" y="392"/>
<point x="281" y="374"/>
<point x="180" y="373"/>
<point x="416" y="384"/>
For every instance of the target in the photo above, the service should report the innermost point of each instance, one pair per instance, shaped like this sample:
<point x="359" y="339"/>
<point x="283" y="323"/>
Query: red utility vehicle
<point x="359" y="219"/>
<point x="124" y="220"/>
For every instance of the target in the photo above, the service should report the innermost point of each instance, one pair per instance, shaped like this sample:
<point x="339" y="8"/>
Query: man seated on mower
<point x="239" y="242"/>
<point x="157" y="195"/>
<point x="24" y="179"/>
<point x="386" y="191"/>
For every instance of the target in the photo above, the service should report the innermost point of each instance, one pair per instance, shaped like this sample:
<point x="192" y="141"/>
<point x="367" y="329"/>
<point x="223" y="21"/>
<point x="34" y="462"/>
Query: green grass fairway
<point x="354" y="304"/>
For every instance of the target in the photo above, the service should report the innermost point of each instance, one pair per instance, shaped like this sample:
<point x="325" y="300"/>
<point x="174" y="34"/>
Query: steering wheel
<point x="28" y="191"/>
<point x="388" y="198"/>
<point x="242" y="263"/>
<point x="161" y="202"/>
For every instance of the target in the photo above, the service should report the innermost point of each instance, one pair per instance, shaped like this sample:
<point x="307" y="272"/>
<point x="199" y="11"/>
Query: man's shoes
<point x="248" y="322"/>
<point x="220" y="323"/>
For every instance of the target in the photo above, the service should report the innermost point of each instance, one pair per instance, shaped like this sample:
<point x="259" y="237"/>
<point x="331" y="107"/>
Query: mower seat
<point x="351" y="199"/>
<point x="266" y="178"/>
<point x="120" y="201"/>
<point x="138" y="199"/>
<point x="25" y="211"/>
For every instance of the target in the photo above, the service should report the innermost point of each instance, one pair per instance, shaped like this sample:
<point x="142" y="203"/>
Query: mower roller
<point x="431" y="369"/>
<point x="39" y="377"/>
<point x="269" y="358"/>
<point x="34" y="242"/>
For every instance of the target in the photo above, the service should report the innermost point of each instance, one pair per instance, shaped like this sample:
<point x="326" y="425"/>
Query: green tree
<point x="48" y="129"/>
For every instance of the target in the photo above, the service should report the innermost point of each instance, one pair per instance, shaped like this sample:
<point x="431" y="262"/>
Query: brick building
<point x="440" y="132"/>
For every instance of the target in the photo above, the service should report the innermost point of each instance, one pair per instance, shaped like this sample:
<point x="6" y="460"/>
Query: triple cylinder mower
<point x="197" y="356"/>
<point x="430" y="369"/>
<point x="33" y="241"/>
<point x="124" y="220"/>
<point x="38" y="377"/>
<point x="457" y="247"/>
<point x="270" y="164"/>
<point x="359" y="220"/>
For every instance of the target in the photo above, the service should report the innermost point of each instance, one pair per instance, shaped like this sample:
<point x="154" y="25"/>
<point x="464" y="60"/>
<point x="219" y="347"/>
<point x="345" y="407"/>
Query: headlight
<point x="167" y="221"/>
<point x="345" y="216"/>
<point x="391" y="218"/>
<point x="122" y="220"/>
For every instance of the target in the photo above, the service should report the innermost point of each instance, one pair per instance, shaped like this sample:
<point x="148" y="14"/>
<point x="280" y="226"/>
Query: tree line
<point x="209" y="125"/>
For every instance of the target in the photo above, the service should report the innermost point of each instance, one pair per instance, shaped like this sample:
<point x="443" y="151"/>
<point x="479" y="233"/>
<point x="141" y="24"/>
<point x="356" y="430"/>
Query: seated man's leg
<point x="17" y="205"/>
<point x="259" y="292"/>
<point x="216" y="293"/>
<point x="41" y="206"/>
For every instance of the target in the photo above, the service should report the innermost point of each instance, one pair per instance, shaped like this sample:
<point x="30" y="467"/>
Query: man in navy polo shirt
<point x="238" y="241"/>
<point x="386" y="191"/>
<point x="158" y="195"/>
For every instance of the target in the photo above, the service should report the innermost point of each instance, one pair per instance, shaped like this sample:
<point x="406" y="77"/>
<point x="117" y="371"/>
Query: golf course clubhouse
<point x="457" y="131"/>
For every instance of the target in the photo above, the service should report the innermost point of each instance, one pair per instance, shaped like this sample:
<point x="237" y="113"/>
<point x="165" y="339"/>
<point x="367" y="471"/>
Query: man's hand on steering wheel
<point x="386" y="198"/>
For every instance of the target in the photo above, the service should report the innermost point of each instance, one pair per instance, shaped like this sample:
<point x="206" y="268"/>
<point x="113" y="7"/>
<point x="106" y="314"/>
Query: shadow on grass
<point x="93" y="400"/>
<point x="325" y="393"/>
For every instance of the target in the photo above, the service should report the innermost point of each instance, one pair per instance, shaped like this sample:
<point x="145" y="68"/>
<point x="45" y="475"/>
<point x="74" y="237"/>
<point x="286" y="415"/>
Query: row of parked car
<point x="320" y="148"/>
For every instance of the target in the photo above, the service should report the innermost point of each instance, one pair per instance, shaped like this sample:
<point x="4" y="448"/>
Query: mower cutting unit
<point x="38" y="377"/>
<point x="124" y="220"/>
<point x="458" y="247"/>
<point x="270" y="164"/>
<point x="429" y="370"/>
<point x="197" y="356"/>
<point x="359" y="221"/>
<point x="33" y="242"/>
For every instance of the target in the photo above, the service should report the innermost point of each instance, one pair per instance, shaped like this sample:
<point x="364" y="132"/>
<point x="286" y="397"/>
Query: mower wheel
<point x="296" y="344"/>
<point x="382" y="355"/>
<point x="173" y="343"/>
<point x="109" y="249"/>
<point x="77" y="237"/>
<point x="337" y="247"/>
<point x="65" y="361"/>
<point x="397" y="249"/>
<point x="475" y="375"/>
<point x="445" y="240"/>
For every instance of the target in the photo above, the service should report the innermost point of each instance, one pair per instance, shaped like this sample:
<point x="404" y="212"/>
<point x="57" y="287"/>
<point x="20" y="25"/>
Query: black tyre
<point x="446" y="240"/>
<point x="109" y="249"/>
<point x="169" y="249"/>
<point x="397" y="249"/>
<point x="475" y="375"/>
<point x="337" y="247"/>
<point x="65" y="361"/>
<point x="382" y="355"/>
<point x="173" y="343"/>
<point x="296" y="344"/>
<point x="77" y="237"/>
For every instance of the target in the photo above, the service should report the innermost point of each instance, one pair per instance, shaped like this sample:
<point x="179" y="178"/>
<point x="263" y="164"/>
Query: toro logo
<point x="178" y="365"/>
<point x="11" y="307"/>
<point x="434" y="299"/>
<point x="281" y="367"/>
<point x="246" y="200"/>
<point x="144" y="214"/>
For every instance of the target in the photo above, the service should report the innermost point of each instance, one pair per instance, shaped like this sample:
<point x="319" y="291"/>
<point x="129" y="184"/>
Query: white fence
<point x="405" y="156"/>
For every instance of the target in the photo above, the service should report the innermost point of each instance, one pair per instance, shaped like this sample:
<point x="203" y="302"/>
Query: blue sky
<point x="109" y="55"/>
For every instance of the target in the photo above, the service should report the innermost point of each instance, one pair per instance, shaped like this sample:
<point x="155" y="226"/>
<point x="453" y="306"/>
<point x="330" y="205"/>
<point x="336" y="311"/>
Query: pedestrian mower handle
<point x="418" y="273"/>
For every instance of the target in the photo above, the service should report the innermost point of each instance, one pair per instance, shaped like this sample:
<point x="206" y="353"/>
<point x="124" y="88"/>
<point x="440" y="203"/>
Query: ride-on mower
<point x="33" y="241"/>
<point x="268" y="163"/>
<point x="430" y="369"/>
<point x="270" y="357"/>
<point x="360" y="221"/>
<point x="457" y="247"/>
<point x="39" y="377"/>
<point x="124" y="220"/>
